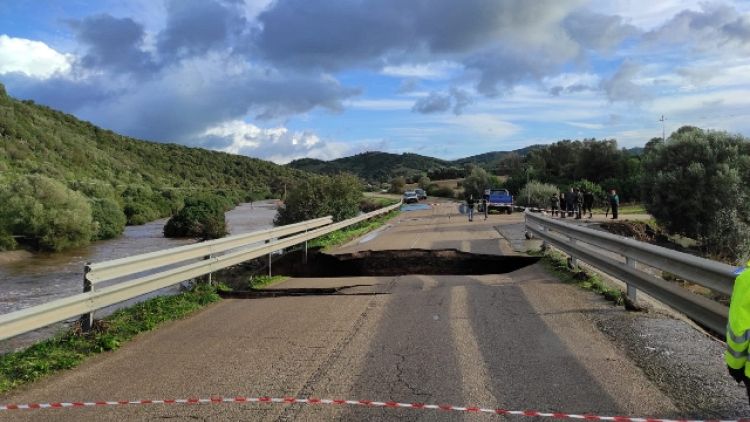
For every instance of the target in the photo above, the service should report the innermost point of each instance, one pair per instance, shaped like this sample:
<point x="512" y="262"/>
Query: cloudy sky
<point x="286" y="79"/>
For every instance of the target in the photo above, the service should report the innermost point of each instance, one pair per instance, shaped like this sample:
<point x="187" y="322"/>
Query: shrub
<point x="46" y="213"/>
<point x="109" y="218"/>
<point x="698" y="184"/>
<point x="338" y="196"/>
<point x="477" y="181"/>
<point x="397" y="185"/>
<point x="7" y="243"/>
<point x="423" y="182"/>
<point x="600" y="196"/>
<point x="202" y="217"/>
<point x="536" y="194"/>
<point x="443" y="192"/>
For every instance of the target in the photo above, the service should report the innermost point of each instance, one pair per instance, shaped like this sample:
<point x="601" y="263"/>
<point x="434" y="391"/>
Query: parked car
<point x="498" y="199"/>
<point x="410" y="197"/>
<point x="421" y="194"/>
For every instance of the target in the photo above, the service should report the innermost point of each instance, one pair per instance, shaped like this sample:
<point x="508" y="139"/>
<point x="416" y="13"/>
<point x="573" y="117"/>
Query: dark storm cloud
<point x="620" y="87"/>
<point x="597" y="31"/>
<point x="112" y="43"/>
<point x="457" y="99"/>
<point x="332" y="34"/>
<point x="461" y="99"/>
<point x="177" y="107"/>
<point x="714" y="27"/>
<point x="59" y="92"/>
<point x="197" y="26"/>
<point x="433" y="103"/>
<point x="570" y="89"/>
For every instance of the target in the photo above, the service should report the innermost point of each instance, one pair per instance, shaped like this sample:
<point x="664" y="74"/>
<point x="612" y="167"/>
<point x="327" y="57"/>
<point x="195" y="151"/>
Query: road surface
<point x="519" y="340"/>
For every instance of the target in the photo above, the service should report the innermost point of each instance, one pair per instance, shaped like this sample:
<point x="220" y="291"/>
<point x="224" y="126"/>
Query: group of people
<point x="578" y="202"/>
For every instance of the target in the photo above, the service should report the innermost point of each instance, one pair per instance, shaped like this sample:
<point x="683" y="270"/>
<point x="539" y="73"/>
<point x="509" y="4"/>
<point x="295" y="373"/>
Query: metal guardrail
<point x="32" y="318"/>
<point x="571" y="239"/>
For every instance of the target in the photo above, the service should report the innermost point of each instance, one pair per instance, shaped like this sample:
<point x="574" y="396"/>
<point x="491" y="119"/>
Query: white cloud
<point x="433" y="70"/>
<point x="33" y="58"/>
<point x="380" y="104"/>
<point x="278" y="144"/>
<point x="585" y="125"/>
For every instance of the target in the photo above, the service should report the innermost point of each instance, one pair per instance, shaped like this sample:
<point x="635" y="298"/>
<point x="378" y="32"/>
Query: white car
<point x="410" y="197"/>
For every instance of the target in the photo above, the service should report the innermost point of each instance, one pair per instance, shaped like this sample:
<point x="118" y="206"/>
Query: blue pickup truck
<point x="498" y="199"/>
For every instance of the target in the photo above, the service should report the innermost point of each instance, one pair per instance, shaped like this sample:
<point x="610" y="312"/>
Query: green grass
<point x="69" y="349"/>
<point x="557" y="264"/>
<point x="384" y="201"/>
<point x="635" y="208"/>
<point x="260" y="281"/>
<point x="344" y="235"/>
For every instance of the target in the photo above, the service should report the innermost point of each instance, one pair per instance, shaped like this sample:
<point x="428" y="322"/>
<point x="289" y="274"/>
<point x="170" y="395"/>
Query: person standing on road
<point x="470" y="207"/>
<point x="588" y="202"/>
<point x="484" y="207"/>
<point x="614" y="203"/>
<point x="554" y="203"/>
<point x="562" y="205"/>
<point x="738" y="328"/>
<point x="579" y="203"/>
<point x="570" y="202"/>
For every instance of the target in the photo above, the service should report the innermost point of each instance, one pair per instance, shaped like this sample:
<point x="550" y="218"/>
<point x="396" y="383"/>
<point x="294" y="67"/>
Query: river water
<point x="42" y="277"/>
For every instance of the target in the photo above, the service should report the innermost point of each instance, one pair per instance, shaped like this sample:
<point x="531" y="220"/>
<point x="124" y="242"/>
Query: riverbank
<point x="9" y="257"/>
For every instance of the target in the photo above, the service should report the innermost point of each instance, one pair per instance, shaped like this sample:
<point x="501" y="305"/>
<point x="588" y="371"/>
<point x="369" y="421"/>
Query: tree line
<point x="65" y="182"/>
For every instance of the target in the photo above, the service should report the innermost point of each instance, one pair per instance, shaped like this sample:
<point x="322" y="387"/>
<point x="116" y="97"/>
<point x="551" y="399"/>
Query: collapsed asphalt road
<point x="516" y="340"/>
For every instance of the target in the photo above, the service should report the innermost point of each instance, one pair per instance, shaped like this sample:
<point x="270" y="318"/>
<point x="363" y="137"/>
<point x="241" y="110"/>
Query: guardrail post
<point x="631" y="290"/>
<point x="87" y="320"/>
<point x="573" y="261"/>
<point x="209" y="278"/>
<point x="305" y="259"/>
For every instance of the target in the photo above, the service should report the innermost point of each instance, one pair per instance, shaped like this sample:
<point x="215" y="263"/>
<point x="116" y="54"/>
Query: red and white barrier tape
<point x="365" y="403"/>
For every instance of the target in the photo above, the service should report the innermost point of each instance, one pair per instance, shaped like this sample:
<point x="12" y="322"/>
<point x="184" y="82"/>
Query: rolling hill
<point x="143" y="180"/>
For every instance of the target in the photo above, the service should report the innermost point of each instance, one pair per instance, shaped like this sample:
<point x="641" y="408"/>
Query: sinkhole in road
<point x="397" y="262"/>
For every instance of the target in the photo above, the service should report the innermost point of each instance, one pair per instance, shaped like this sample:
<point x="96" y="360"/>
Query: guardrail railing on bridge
<point x="582" y="243"/>
<point x="93" y="298"/>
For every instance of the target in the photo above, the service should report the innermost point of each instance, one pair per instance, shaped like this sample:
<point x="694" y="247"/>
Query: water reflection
<point x="42" y="277"/>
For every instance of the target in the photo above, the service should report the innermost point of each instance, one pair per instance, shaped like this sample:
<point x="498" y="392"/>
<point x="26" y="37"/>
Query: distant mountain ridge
<point x="382" y="166"/>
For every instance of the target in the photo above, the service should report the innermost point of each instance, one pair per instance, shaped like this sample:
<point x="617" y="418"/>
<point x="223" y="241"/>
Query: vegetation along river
<point x="33" y="278"/>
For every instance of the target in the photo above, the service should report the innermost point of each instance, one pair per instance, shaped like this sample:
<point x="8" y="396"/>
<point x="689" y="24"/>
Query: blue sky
<point x="288" y="79"/>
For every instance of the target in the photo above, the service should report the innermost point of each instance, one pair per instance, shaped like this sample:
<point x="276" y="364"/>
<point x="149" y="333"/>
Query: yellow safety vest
<point x="738" y="329"/>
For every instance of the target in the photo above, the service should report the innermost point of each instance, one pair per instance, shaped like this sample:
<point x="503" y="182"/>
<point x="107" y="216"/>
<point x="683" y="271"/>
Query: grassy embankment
<point x="557" y="264"/>
<point x="70" y="348"/>
<point x="347" y="234"/>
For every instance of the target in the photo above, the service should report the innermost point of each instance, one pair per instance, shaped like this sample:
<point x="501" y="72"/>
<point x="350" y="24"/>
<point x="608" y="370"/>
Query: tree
<point x="109" y="219"/>
<point x="202" y="217"/>
<point x="45" y="213"/>
<point x="397" y="185"/>
<point x="424" y="182"/>
<point x="697" y="184"/>
<point x="477" y="181"/>
<point x="319" y="196"/>
<point x="536" y="194"/>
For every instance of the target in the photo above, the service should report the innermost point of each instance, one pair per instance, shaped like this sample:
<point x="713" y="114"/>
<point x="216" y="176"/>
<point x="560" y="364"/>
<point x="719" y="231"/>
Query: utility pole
<point x="663" y="133"/>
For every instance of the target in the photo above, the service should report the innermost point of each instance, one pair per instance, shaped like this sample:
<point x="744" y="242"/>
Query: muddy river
<point x="29" y="279"/>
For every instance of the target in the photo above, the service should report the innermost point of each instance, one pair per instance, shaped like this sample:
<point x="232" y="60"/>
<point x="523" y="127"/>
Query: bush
<point x="423" y="182"/>
<point x="536" y="194"/>
<point x="600" y="196"/>
<point x="202" y="217"/>
<point x="109" y="218"/>
<point x="442" y="192"/>
<point x="319" y="196"/>
<point x="477" y="181"/>
<point x="47" y="214"/>
<point x="7" y="243"/>
<point x="397" y="185"/>
<point x="698" y="184"/>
